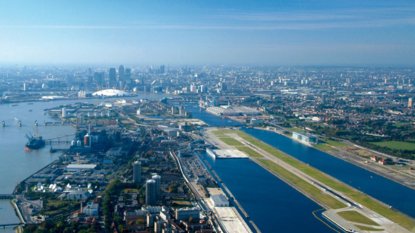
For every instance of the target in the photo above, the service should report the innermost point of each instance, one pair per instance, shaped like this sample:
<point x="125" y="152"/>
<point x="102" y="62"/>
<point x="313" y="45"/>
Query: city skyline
<point x="208" y="33"/>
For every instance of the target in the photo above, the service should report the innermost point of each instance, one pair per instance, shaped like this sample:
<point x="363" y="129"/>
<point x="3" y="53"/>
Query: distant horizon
<point x="284" y="33"/>
<point x="153" y="65"/>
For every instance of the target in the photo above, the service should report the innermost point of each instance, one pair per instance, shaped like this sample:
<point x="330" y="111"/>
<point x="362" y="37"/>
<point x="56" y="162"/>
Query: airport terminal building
<point x="305" y="137"/>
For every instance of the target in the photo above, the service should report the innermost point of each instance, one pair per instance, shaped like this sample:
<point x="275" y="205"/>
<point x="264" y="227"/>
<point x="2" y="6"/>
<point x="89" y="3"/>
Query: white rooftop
<point x="111" y="92"/>
<point x="230" y="154"/>
<point x="81" y="166"/>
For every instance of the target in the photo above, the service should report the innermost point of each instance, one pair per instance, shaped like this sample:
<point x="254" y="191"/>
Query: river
<point x="16" y="164"/>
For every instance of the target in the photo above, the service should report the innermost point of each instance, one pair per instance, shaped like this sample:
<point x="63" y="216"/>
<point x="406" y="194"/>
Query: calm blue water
<point x="208" y="118"/>
<point x="385" y="190"/>
<point x="273" y="205"/>
<point x="201" y="114"/>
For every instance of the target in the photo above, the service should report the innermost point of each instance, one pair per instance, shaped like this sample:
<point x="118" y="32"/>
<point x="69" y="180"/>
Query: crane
<point x="37" y="133"/>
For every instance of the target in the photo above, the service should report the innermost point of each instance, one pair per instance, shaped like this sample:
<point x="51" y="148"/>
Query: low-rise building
<point x="186" y="214"/>
<point x="219" y="200"/>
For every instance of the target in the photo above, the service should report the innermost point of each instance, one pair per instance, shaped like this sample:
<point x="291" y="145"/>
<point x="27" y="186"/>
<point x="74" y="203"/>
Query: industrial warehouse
<point x="233" y="111"/>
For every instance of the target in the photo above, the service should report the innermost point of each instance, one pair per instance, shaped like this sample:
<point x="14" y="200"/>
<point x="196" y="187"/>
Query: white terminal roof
<point x="219" y="199"/>
<point x="111" y="92"/>
<point x="81" y="166"/>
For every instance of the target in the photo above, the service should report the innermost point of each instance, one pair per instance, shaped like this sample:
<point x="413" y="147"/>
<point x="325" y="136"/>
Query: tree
<point x="47" y="181"/>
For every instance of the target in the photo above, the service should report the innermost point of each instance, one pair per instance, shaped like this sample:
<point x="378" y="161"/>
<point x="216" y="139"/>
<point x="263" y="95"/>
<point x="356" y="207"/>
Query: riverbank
<point x="360" y="162"/>
<point x="310" y="173"/>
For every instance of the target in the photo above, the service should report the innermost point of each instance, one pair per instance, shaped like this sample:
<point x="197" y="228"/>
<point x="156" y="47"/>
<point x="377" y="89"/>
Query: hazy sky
<point x="208" y="32"/>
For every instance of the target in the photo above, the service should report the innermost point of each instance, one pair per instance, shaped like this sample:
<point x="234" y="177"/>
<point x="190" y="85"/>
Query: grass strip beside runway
<point x="361" y="198"/>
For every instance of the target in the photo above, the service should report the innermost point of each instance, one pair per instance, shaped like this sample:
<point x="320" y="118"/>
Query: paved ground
<point x="230" y="154"/>
<point x="25" y="207"/>
<point x="229" y="218"/>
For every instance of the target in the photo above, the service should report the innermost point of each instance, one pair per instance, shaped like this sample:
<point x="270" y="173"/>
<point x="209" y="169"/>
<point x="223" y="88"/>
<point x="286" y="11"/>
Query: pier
<point x="217" y="177"/>
<point x="236" y="201"/>
<point x="55" y="123"/>
<point x="207" y="164"/>
<point x="255" y="227"/>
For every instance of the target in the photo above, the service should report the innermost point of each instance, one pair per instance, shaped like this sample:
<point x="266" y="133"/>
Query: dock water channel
<point x="264" y="197"/>
<point x="271" y="204"/>
<point x="387" y="191"/>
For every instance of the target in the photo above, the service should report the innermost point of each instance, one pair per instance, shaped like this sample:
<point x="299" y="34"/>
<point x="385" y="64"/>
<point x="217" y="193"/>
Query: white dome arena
<point x="111" y="92"/>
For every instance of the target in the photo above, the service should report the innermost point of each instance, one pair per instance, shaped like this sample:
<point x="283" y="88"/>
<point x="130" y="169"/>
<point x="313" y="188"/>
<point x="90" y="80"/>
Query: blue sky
<point x="202" y="32"/>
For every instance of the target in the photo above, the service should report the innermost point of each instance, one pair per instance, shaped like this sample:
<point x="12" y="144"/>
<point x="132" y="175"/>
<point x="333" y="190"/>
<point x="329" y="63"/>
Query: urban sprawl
<point x="135" y="164"/>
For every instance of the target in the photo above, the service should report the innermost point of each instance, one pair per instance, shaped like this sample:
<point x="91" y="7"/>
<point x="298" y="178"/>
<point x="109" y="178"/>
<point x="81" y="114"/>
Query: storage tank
<point x="87" y="141"/>
<point x="78" y="143"/>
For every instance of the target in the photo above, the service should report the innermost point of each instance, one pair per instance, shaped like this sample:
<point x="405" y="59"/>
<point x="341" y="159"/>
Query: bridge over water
<point x="65" y="139"/>
<point x="6" y="196"/>
<point x="10" y="224"/>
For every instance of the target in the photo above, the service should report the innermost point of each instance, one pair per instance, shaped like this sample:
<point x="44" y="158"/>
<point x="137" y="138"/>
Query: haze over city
<point x="208" y="32"/>
<point x="207" y="116"/>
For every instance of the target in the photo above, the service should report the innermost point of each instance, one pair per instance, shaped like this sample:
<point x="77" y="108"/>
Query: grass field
<point x="307" y="187"/>
<point x="181" y="202"/>
<point x="327" y="147"/>
<point x="231" y="141"/>
<point x="335" y="143"/>
<point x="295" y="129"/>
<point x="397" y="145"/>
<point x="354" y="216"/>
<point x="324" y="147"/>
<point x="320" y="176"/>
<point x="54" y="207"/>
<point x="400" y="124"/>
<point x="364" y="228"/>
<point x="223" y="132"/>
<point x="129" y="191"/>
<point x="250" y="152"/>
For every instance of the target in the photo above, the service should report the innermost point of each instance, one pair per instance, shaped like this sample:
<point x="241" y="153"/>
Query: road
<point x="25" y="207"/>
<point x="217" y="225"/>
